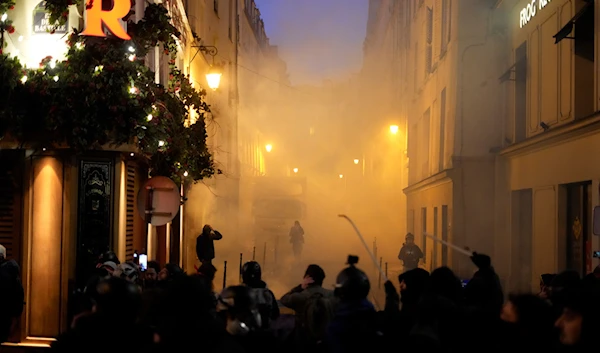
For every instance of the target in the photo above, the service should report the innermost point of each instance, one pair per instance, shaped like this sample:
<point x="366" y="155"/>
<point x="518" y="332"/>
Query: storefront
<point x="553" y="183"/>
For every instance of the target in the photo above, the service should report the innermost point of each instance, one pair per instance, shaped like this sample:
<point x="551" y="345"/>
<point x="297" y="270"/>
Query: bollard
<point x="225" y="275"/>
<point x="254" y="253"/>
<point x="380" y="263"/>
<point x="386" y="271"/>
<point x="241" y="267"/>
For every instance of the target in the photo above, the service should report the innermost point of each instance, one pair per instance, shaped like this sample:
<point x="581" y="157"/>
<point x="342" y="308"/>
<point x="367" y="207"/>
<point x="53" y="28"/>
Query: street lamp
<point x="295" y="170"/>
<point x="213" y="77"/>
<point x="394" y="129"/>
<point x="341" y="176"/>
<point x="268" y="147"/>
<point x="356" y="160"/>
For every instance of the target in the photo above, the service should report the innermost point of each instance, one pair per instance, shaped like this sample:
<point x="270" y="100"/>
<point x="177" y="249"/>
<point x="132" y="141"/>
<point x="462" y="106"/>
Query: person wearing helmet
<point x="262" y="296"/>
<point x="354" y="327"/>
<point x="410" y="253"/>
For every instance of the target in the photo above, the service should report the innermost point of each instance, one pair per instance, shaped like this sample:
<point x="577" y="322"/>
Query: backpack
<point x="265" y="300"/>
<point x="318" y="313"/>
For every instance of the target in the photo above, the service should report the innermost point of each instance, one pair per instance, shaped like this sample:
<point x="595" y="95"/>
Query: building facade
<point x="548" y="186"/>
<point x="241" y="110"/>
<point x="425" y="56"/>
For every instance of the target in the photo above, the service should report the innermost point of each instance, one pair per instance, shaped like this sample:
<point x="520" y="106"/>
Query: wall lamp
<point x="213" y="77"/>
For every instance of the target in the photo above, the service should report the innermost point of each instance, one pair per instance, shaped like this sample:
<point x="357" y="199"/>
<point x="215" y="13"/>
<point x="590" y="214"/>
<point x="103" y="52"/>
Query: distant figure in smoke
<point x="205" y="245"/>
<point x="410" y="253"/>
<point x="297" y="238"/>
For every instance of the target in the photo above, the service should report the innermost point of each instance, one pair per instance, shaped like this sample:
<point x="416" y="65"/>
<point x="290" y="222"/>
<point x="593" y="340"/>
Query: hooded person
<point x="205" y="244"/>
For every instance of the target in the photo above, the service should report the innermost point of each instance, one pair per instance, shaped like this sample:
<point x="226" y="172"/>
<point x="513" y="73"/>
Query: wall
<point x="431" y="196"/>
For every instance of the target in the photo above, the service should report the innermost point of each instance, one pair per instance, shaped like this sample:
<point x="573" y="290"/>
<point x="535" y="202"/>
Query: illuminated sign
<point x="97" y="17"/>
<point x="41" y="21"/>
<point x="531" y="10"/>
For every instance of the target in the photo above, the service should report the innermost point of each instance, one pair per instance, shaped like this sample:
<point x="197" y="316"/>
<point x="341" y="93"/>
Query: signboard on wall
<point x="41" y="21"/>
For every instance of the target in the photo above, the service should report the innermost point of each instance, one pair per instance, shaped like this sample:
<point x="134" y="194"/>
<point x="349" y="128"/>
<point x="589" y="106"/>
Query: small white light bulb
<point x="132" y="49"/>
<point x="4" y="17"/>
<point x="150" y="117"/>
<point x="161" y="143"/>
<point x="185" y="173"/>
<point x="55" y="78"/>
<point x="24" y="79"/>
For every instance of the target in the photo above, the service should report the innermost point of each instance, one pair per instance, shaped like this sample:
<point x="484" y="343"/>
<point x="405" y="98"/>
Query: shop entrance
<point x="578" y="227"/>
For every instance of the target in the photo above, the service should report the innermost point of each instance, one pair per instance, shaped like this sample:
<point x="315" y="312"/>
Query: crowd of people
<point x="164" y="309"/>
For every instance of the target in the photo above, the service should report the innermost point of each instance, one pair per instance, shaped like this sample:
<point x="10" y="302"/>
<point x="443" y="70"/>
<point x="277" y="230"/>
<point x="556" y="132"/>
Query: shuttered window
<point x="130" y="210"/>
<point x="11" y="202"/>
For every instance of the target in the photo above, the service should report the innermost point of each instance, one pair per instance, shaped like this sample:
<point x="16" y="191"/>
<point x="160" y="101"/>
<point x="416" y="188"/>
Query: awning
<point x="507" y="75"/>
<point x="568" y="28"/>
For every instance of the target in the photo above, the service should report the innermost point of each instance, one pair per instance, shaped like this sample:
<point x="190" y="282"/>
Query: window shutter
<point x="11" y="203"/>
<point x="130" y="210"/>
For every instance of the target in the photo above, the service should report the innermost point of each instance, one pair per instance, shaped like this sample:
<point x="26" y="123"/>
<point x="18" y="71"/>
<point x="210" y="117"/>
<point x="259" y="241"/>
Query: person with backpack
<point x="260" y="293"/>
<point x="12" y="295"/>
<point x="314" y="307"/>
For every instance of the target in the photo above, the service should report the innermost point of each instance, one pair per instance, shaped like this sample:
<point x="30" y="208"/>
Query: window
<point x="429" y="41"/>
<point x="216" y="6"/>
<point x="442" y="140"/>
<point x="424" y="141"/>
<point x="444" y="35"/>
<point x="231" y="15"/>
<point x="435" y="234"/>
<point x="521" y="93"/>
<point x="444" y="235"/>
<point x="423" y="231"/>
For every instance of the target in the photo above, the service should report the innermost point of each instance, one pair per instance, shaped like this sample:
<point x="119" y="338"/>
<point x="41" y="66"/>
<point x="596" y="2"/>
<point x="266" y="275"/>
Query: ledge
<point x="555" y="135"/>
<point x="434" y="180"/>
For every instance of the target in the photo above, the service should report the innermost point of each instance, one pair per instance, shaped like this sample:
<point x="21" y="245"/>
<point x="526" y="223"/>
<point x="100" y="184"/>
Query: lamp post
<point x="213" y="77"/>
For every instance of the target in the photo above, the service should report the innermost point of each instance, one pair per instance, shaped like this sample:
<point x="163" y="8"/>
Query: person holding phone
<point x="205" y="246"/>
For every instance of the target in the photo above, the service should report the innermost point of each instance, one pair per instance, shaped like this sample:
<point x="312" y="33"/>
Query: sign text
<point x="531" y="10"/>
<point x="96" y="17"/>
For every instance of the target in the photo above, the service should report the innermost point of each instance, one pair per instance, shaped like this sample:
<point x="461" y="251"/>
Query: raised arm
<point x="216" y="235"/>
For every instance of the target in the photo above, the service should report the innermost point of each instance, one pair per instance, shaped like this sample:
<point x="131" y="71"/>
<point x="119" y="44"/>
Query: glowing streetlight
<point x="341" y="176"/>
<point x="394" y="129"/>
<point x="269" y="147"/>
<point x="213" y="77"/>
<point x="295" y="170"/>
<point x="356" y="160"/>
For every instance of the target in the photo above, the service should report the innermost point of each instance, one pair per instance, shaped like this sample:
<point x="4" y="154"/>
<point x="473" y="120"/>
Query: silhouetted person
<point x="297" y="238"/>
<point x="205" y="246"/>
<point x="410" y="253"/>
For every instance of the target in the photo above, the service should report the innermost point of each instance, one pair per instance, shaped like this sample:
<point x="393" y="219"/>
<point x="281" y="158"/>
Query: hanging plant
<point x="104" y="94"/>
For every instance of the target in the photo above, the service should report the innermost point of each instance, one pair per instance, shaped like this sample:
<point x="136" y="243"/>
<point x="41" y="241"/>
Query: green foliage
<point x="103" y="94"/>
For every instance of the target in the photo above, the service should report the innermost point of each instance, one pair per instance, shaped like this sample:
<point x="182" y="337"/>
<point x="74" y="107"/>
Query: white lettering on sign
<point x="531" y="10"/>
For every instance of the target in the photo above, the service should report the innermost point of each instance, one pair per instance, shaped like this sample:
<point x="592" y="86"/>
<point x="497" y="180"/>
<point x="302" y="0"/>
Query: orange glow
<point x="96" y="17"/>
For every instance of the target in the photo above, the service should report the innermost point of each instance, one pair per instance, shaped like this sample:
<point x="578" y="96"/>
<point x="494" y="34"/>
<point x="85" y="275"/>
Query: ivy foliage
<point x="104" y="94"/>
